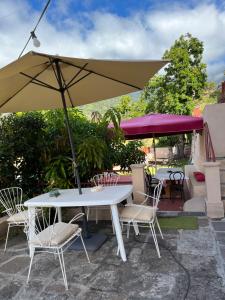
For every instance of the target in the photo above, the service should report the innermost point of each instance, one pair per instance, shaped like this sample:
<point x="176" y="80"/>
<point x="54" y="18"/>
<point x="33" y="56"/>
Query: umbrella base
<point x="92" y="243"/>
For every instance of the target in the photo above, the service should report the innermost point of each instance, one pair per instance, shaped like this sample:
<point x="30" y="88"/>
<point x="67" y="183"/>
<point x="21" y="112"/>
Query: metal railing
<point x="210" y="154"/>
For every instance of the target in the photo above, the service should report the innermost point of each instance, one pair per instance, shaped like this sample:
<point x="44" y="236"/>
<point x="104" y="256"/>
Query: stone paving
<point x="143" y="276"/>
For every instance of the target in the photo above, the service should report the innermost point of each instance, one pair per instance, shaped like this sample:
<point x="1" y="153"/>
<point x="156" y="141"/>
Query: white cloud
<point x="143" y="35"/>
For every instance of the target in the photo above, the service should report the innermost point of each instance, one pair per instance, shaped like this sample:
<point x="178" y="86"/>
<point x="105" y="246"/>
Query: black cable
<point x="162" y="245"/>
<point x="33" y="31"/>
<point x="175" y="259"/>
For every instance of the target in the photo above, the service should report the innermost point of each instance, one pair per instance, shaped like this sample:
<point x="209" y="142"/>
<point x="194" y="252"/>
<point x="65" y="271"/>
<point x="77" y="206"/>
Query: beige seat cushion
<point x="139" y="213"/>
<point x="19" y="217"/>
<point x="55" y="235"/>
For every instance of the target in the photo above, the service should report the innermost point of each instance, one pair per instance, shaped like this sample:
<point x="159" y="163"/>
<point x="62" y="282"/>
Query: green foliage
<point x="127" y="154"/>
<point x="90" y="154"/>
<point x="128" y="108"/>
<point x="35" y="152"/>
<point x="184" y="79"/>
<point x="168" y="141"/>
<point x="22" y="143"/>
<point x="59" y="172"/>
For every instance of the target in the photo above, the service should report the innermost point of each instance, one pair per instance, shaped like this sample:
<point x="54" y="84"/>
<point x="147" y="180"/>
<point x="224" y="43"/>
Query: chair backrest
<point x="11" y="200"/>
<point x="157" y="193"/>
<point x="106" y="179"/>
<point x="177" y="177"/>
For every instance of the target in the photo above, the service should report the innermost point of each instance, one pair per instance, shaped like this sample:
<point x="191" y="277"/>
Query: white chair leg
<point x="160" y="231"/>
<point x="136" y="229"/>
<point x="62" y="269"/>
<point x="31" y="261"/>
<point x="128" y="229"/>
<point x="85" y="250"/>
<point x="7" y="235"/>
<point x="87" y="213"/>
<point x="155" y="239"/>
<point x="112" y="222"/>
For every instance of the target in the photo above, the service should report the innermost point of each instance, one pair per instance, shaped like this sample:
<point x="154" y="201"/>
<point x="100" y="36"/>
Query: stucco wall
<point x="214" y="115"/>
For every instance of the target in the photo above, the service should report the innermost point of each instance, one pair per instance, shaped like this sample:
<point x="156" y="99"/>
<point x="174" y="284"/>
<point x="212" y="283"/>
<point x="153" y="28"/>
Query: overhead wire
<point x="35" y="27"/>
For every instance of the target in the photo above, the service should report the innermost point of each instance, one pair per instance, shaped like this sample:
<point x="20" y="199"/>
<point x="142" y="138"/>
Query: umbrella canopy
<point x="156" y="125"/>
<point x="32" y="81"/>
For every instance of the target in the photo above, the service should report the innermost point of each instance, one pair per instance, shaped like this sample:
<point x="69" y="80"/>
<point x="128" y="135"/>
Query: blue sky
<point x="125" y="29"/>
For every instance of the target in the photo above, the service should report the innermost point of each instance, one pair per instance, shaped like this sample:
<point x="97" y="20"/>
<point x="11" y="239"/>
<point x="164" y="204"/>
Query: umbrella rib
<point x="69" y="86"/>
<point x="17" y="92"/>
<point x="75" y="76"/>
<point x="102" y="75"/>
<point x="39" y="82"/>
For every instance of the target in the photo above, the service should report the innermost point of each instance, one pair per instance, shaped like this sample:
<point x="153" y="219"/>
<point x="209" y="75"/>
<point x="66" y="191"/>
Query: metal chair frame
<point x="135" y="222"/>
<point x="43" y="221"/>
<point x="11" y="199"/>
<point x="177" y="183"/>
<point x="104" y="179"/>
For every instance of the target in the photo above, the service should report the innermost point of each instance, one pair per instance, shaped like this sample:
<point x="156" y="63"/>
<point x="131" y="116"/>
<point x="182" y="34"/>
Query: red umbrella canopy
<point x="160" y="125"/>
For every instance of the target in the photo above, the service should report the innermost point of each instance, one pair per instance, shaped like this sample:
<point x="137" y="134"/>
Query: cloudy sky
<point x="132" y="29"/>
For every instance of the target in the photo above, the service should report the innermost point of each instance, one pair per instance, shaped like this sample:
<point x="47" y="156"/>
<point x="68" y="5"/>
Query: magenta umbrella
<point x="156" y="125"/>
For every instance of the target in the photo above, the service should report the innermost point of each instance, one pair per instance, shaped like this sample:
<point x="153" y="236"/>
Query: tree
<point x="129" y="108"/>
<point x="183" y="82"/>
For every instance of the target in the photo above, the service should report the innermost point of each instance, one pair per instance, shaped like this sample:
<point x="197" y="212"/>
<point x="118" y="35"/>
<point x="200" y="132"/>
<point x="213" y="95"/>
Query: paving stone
<point x="199" y="242"/>
<point x="31" y="290"/>
<point x="218" y="225"/>
<point x="57" y="291"/>
<point x="144" y="276"/>
<point x="220" y="237"/>
<point x="11" y="288"/>
<point x="15" y="265"/>
<point x="203" y="222"/>
<point x="222" y="251"/>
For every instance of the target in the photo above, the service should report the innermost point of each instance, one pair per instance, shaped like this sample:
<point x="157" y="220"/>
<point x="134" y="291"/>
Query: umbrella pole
<point x="77" y="177"/>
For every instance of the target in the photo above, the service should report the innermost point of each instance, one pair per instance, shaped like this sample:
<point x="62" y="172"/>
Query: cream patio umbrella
<point x="38" y="81"/>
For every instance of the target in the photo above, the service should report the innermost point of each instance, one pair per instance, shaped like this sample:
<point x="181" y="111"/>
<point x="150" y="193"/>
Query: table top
<point x="164" y="173"/>
<point x="70" y="197"/>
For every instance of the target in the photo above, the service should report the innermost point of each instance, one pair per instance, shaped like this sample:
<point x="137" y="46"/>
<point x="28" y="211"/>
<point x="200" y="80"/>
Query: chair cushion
<point x="19" y="217"/>
<point x="199" y="176"/>
<point x="139" y="213"/>
<point x="55" y="235"/>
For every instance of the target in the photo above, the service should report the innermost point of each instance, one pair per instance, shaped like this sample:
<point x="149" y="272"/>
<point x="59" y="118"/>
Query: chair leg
<point x="31" y="261"/>
<point x="136" y="229"/>
<point x="160" y="231"/>
<point x="112" y="222"/>
<point x="62" y="265"/>
<point x="155" y="239"/>
<point x="128" y="229"/>
<point x="7" y="235"/>
<point x="85" y="250"/>
<point x="87" y="213"/>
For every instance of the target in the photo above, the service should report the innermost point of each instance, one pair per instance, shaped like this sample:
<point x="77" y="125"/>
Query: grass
<point x="190" y="223"/>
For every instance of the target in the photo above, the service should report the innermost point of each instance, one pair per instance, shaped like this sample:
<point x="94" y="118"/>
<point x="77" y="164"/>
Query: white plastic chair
<point x="11" y="200"/>
<point x="103" y="179"/>
<point x="139" y="214"/>
<point x="53" y="237"/>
